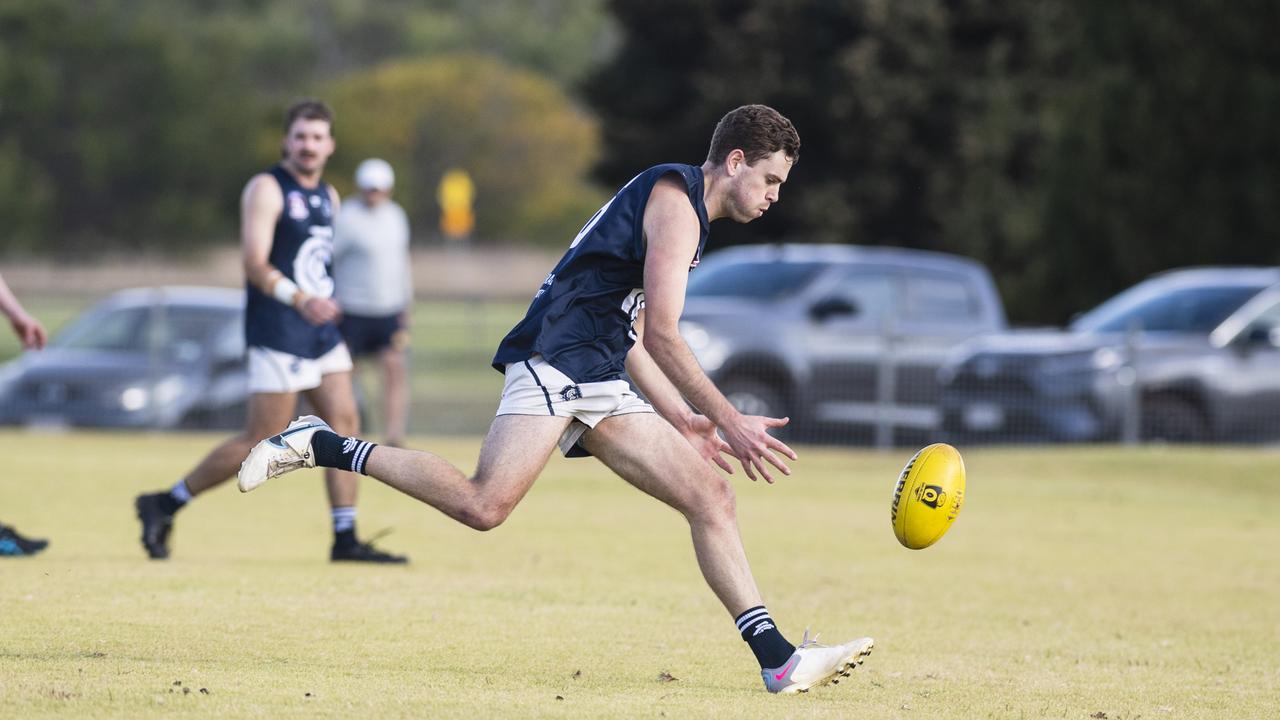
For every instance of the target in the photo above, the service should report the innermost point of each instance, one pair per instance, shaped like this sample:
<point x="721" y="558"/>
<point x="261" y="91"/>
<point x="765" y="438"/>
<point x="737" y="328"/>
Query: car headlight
<point x="169" y="389"/>
<point x="1106" y="358"/>
<point x="136" y="397"/>
<point x="710" y="351"/>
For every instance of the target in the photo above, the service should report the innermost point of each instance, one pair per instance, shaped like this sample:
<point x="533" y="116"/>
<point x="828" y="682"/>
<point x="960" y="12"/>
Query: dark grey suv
<point x="845" y="340"/>
<point x="1188" y="355"/>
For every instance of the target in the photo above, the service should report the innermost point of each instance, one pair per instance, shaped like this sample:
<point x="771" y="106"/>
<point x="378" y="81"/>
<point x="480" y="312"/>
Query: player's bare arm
<point x="29" y="330"/>
<point x="699" y="430"/>
<point x="260" y="208"/>
<point x="671" y="232"/>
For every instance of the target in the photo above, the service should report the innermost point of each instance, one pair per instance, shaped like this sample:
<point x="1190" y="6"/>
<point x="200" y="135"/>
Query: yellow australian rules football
<point x="928" y="496"/>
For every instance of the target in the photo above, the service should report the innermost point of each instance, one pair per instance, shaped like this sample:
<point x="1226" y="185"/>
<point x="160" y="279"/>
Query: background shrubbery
<point x="1075" y="147"/>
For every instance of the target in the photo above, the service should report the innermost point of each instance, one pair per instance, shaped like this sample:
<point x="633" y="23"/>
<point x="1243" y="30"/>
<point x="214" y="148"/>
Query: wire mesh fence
<point x="174" y="361"/>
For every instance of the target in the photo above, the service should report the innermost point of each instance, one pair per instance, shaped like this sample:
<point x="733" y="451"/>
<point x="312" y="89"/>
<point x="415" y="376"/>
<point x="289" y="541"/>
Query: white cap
<point x="375" y="174"/>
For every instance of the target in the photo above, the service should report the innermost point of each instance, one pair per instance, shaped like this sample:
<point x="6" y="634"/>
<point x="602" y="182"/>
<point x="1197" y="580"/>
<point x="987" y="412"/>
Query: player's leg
<point x="394" y="363"/>
<point x="267" y="413"/>
<point x="515" y="450"/>
<point x="335" y="401"/>
<point x="647" y="452"/>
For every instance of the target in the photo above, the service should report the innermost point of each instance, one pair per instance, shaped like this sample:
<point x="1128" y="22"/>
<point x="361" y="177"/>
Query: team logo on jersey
<point x="315" y="201"/>
<point x="297" y="205"/>
<point x="311" y="264"/>
<point x="632" y="305"/>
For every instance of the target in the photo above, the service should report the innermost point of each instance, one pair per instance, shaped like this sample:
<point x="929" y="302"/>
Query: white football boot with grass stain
<point x="280" y="454"/>
<point x="813" y="664"/>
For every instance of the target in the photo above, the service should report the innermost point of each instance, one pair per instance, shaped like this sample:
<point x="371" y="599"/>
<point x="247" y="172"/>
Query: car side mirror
<point x="832" y="307"/>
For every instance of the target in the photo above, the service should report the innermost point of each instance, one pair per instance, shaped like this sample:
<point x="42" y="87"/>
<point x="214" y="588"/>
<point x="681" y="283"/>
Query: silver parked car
<point x="165" y="357"/>
<point x="1185" y="356"/>
<point x="845" y="340"/>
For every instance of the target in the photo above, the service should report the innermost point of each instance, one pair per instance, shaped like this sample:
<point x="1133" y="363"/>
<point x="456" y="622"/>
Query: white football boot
<point x="813" y="664"/>
<point x="279" y="454"/>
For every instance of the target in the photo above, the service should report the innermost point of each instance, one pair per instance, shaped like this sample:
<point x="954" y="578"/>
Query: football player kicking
<point x="611" y="306"/>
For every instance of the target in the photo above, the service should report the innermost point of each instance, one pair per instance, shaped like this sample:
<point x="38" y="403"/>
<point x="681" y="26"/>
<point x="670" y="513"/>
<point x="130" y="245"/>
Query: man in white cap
<point x="374" y="286"/>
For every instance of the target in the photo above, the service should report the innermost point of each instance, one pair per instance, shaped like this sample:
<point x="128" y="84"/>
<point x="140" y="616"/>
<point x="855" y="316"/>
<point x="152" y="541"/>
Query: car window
<point x="179" y="324"/>
<point x="118" y="329"/>
<point x="1268" y="319"/>
<point x="756" y="280"/>
<point x="871" y="292"/>
<point x="184" y="332"/>
<point x="935" y="298"/>
<point x="1193" y="309"/>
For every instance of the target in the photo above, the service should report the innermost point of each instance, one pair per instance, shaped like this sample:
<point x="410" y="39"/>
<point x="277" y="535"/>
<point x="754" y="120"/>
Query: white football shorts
<point x="534" y="387"/>
<point x="273" y="371"/>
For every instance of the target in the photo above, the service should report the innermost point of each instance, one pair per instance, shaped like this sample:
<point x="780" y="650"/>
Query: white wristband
<point x="284" y="290"/>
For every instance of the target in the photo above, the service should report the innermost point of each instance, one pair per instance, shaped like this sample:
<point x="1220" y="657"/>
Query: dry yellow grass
<point x="1077" y="582"/>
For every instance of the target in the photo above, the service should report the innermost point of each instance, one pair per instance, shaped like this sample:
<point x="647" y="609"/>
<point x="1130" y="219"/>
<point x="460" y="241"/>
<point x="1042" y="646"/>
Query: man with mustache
<point x="293" y="342"/>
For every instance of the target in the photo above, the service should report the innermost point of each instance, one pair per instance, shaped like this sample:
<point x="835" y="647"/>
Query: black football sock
<point x="344" y="526"/>
<point x="757" y="628"/>
<point x="344" y="453"/>
<point x="345" y="539"/>
<point x="172" y="501"/>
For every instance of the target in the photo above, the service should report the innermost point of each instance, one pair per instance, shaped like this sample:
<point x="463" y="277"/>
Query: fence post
<point x="157" y="323"/>
<point x="1127" y="377"/>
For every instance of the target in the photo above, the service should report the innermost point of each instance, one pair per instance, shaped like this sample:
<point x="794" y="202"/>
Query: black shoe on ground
<point x="14" y="545"/>
<point x="156" y="524"/>
<point x="364" y="552"/>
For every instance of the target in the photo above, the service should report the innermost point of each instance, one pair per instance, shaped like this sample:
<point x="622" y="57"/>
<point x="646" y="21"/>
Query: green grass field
<point x="1078" y="583"/>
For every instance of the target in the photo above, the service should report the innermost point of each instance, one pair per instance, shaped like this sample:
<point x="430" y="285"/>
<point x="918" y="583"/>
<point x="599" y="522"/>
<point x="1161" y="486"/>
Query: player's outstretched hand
<point x="750" y="442"/>
<point x="701" y="434"/>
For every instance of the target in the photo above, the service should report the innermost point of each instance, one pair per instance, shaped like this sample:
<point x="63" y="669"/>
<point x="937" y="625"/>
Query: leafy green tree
<point x="113" y="127"/>
<point x="1073" y="147"/>
<point x="135" y="123"/>
<point x="525" y="144"/>
<point x="1163" y="151"/>
<point x="891" y="100"/>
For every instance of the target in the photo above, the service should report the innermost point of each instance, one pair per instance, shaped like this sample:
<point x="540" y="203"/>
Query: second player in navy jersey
<point x="302" y="253"/>
<point x="293" y="344"/>
<point x="612" y="304"/>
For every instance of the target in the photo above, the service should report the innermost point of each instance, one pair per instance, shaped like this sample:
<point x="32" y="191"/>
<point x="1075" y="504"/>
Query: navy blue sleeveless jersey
<point x="302" y="249"/>
<point x="581" y="318"/>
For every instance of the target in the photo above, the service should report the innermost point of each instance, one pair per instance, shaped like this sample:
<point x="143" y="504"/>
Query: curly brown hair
<point x="758" y="131"/>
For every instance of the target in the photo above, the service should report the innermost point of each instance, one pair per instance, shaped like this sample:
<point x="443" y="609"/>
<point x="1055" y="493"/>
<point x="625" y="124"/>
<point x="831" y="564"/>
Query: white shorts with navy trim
<point x="534" y="387"/>
<point x="273" y="371"/>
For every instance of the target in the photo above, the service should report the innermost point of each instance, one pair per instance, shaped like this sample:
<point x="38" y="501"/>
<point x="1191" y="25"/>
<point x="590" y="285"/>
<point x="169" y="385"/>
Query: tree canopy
<point x="1074" y="147"/>
<point x="135" y="123"/>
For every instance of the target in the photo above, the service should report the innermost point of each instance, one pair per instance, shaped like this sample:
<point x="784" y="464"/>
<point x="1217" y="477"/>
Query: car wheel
<point x="753" y="397"/>
<point x="1172" y="419"/>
